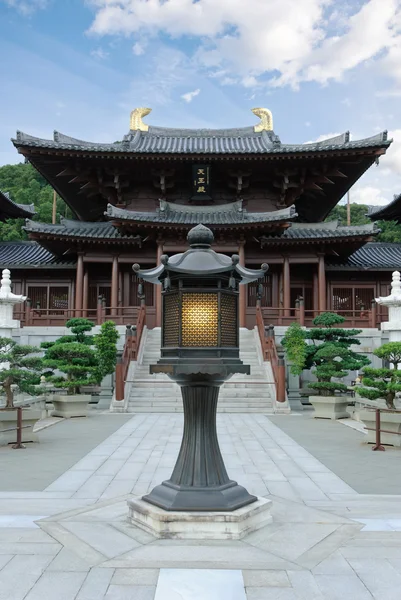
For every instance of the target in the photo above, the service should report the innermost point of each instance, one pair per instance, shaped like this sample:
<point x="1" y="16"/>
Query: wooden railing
<point x="133" y="336"/>
<point x="269" y="350"/>
<point x="30" y="316"/>
<point x="285" y="316"/>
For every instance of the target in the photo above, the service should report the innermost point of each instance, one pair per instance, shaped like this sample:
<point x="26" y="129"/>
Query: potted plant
<point x="330" y="356"/>
<point x="21" y="371"/>
<point x="380" y="386"/>
<point x="73" y="363"/>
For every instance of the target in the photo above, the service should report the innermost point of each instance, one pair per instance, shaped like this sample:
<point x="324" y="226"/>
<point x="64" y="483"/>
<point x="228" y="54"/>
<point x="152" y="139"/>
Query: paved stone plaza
<point x="71" y="540"/>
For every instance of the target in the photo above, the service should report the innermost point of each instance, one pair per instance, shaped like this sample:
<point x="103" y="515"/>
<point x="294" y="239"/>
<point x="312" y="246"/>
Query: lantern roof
<point x="200" y="260"/>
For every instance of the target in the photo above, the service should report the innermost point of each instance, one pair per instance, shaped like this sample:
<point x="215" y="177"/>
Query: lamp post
<point x="200" y="351"/>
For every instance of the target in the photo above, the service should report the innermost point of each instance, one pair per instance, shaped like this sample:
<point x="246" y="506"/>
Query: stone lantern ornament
<point x="199" y="351"/>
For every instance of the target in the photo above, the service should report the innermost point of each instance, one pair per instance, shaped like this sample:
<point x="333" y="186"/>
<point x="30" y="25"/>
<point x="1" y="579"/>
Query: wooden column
<point x="315" y="293"/>
<point x="286" y="286"/>
<point x="79" y="284"/>
<point x="85" y="294"/>
<point x="242" y="288"/>
<point x="126" y="289"/>
<point x="158" y="288"/>
<point x="322" y="283"/>
<point x="114" y="286"/>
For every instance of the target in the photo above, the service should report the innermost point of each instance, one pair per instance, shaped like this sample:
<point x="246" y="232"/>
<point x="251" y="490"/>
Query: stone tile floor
<point x="71" y="541"/>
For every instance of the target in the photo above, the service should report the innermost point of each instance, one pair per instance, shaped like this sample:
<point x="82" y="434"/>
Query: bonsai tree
<point x="73" y="356"/>
<point x="21" y="370"/>
<point x="106" y="349"/>
<point x="329" y="354"/>
<point x="385" y="382"/>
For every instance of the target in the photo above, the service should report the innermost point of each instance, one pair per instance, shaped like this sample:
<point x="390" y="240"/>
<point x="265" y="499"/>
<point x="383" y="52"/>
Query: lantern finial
<point x="200" y="237"/>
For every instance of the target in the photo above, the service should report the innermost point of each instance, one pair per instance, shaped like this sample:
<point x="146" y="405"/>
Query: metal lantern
<point x="200" y="350"/>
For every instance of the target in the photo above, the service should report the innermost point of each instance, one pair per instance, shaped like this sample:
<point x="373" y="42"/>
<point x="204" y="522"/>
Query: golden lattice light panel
<point x="200" y="320"/>
<point x="171" y="327"/>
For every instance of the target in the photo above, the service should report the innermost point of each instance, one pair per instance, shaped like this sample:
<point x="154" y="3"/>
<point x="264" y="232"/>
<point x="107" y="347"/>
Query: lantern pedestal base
<point x="227" y="497"/>
<point x="224" y="525"/>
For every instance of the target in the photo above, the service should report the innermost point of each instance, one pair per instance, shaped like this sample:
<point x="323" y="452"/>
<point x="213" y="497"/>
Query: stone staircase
<point x="241" y="394"/>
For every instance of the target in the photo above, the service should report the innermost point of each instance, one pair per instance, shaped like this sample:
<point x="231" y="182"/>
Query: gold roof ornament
<point x="136" y="123"/>
<point x="266" y="119"/>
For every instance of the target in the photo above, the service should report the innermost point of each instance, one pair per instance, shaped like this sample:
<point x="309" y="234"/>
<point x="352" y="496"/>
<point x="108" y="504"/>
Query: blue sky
<point x="321" y="66"/>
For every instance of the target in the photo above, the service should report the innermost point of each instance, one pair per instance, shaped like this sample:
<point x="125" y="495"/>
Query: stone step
<point x="178" y="409"/>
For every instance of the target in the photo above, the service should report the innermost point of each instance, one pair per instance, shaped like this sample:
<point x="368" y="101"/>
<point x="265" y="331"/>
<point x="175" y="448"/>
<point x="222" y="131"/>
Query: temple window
<point x="351" y="298"/>
<point x="266" y="299"/>
<point x="49" y="297"/>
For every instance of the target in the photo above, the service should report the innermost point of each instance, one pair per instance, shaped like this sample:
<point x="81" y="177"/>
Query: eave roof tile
<point x="225" y="214"/>
<point x="163" y="140"/>
<point x="18" y="255"/>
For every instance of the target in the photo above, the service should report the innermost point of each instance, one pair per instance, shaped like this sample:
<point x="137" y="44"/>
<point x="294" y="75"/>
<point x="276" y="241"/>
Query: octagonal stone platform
<point x="229" y="525"/>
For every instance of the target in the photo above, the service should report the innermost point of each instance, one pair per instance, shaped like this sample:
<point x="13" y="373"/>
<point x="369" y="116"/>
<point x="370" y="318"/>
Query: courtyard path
<point x="71" y="540"/>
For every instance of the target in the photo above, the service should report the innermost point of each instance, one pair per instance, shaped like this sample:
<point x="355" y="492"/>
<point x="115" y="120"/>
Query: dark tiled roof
<point x="164" y="140"/>
<point x="373" y="255"/>
<point x="79" y="229"/>
<point x="390" y="212"/>
<point x="10" y="209"/>
<point x="18" y="255"/>
<point x="224" y="214"/>
<point x="319" y="231"/>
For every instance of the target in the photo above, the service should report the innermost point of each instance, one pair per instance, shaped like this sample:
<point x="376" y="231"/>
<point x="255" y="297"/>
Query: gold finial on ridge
<point x="266" y="119"/>
<point x="136" y="123"/>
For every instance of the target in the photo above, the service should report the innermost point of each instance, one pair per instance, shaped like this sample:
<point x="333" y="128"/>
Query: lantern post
<point x="200" y="351"/>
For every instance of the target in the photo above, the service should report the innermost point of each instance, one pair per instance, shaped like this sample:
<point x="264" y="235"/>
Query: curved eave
<point x="390" y="212"/>
<point x="11" y="210"/>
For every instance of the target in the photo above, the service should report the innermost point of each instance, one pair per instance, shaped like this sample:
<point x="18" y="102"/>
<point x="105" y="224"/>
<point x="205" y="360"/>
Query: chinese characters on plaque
<point x="201" y="182"/>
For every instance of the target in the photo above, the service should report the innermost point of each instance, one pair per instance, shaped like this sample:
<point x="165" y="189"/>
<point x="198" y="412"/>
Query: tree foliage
<point x="23" y="370"/>
<point x="106" y="348"/>
<point x="390" y="231"/>
<point x="295" y="348"/>
<point x="73" y="356"/>
<point x="385" y="382"/>
<point x="26" y="186"/>
<point x="330" y="355"/>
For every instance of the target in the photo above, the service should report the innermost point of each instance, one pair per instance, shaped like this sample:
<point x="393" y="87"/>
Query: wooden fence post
<point x="301" y="311"/>
<point x="119" y="377"/>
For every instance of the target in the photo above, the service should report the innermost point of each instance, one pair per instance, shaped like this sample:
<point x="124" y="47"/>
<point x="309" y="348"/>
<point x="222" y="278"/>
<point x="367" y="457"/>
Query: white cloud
<point x="392" y="160"/>
<point x="291" y="41"/>
<point x="368" y="195"/>
<point x="346" y="102"/>
<point x="138" y="49"/>
<point x="189" y="96"/>
<point x="321" y="138"/>
<point x="27" y="7"/>
<point x="99" y="53"/>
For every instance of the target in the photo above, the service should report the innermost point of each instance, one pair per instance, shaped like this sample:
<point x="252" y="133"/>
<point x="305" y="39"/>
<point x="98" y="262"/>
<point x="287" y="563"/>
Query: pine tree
<point x="385" y="382"/>
<point x="332" y="356"/>
<point x="22" y="371"/>
<point x="74" y="356"/>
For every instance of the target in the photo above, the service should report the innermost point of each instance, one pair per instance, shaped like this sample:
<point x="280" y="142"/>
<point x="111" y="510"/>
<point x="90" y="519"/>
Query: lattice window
<point x="228" y="315"/>
<point x="199" y="320"/>
<point x="38" y="295"/>
<point x="99" y="290"/>
<point x="53" y="298"/>
<point x="307" y="294"/>
<point x="171" y="322"/>
<point x="347" y="300"/>
<point x="58" y="299"/>
<point x="147" y="289"/>
<point x="266" y="299"/>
